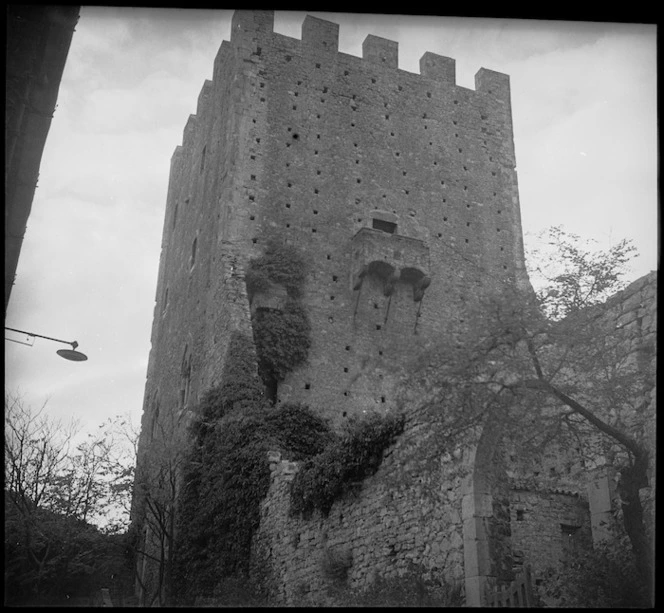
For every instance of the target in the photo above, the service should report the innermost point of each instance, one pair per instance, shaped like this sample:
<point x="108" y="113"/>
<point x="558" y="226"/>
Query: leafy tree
<point x="570" y="277"/>
<point x="559" y="372"/>
<point x="605" y="577"/>
<point x="55" y="490"/>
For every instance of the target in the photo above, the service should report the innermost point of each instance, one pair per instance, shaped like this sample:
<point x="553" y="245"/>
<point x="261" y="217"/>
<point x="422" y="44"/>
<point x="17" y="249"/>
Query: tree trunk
<point x="632" y="479"/>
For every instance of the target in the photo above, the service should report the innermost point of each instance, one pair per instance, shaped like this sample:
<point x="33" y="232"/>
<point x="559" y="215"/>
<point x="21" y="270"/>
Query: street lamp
<point x="67" y="354"/>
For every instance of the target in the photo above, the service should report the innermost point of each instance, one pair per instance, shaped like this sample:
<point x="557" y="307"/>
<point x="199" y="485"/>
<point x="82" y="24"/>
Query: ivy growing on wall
<point x="228" y="473"/>
<point x="282" y="339"/>
<point x="282" y="336"/>
<point x="240" y="385"/>
<point x="352" y="457"/>
<point x="280" y="264"/>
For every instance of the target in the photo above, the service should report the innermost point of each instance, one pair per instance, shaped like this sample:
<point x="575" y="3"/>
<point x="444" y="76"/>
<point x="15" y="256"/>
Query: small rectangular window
<point x="384" y="226"/>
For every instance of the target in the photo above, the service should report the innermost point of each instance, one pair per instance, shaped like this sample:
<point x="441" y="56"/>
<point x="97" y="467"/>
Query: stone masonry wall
<point x="565" y="486"/>
<point x="631" y="316"/>
<point x="408" y="516"/>
<point x="542" y="522"/>
<point x="335" y="142"/>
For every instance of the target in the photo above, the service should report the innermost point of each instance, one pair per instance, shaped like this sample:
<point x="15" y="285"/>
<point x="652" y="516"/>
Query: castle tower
<point x="399" y="190"/>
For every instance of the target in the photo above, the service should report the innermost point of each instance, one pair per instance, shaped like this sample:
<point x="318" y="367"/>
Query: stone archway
<point x="485" y="516"/>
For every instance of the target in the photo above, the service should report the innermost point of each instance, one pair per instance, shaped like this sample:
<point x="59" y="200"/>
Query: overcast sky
<point x="585" y="129"/>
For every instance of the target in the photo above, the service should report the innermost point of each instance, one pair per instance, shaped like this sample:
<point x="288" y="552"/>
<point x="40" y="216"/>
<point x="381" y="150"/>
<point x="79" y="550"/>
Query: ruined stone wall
<point x="575" y="485"/>
<point x="547" y="526"/>
<point x="631" y="317"/>
<point x="407" y="517"/>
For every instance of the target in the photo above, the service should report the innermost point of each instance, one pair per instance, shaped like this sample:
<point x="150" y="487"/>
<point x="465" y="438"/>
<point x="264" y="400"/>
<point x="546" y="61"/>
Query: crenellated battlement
<point x="251" y="23"/>
<point x="381" y="51"/>
<point x="322" y="35"/>
<point x="438" y="68"/>
<point x="493" y="83"/>
<point x="252" y="36"/>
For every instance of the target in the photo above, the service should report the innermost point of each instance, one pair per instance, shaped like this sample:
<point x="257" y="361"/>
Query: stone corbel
<point x="419" y="287"/>
<point x="418" y="279"/>
<point x="360" y="277"/>
<point x="389" y="283"/>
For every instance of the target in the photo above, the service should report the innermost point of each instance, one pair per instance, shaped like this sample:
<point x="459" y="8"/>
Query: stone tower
<point x="400" y="192"/>
<point x="399" y="189"/>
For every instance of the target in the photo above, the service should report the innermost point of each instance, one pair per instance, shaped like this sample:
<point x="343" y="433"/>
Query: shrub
<point x="407" y="590"/>
<point x="234" y="592"/>
<point x="298" y="431"/>
<point x="240" y="388"/>
<point x="605" y="577"/>
<point x="280" y="264"/>
<point x="352" y="457"/>
<point x="227" y="479"/>
<point x="282" y="336"/>
<point x="282" y="339"/>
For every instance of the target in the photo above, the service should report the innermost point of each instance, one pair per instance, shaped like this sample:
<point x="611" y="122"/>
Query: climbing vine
<point x="282" y="339"/>
<point x="240" y="385"/>
<point x="282" y="335"/>
<point x="348" y="460"/>
<point x="280" y="264"/>
<point x="227" y="478"/>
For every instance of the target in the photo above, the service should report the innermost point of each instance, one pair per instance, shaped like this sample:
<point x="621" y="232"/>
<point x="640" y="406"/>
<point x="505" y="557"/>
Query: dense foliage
<point x="409" y="590"/>
<point x="280" y="264"/>
<point x="282" y="339"/>
<point x="282" y="336"/>
<point x="605" y="577"/>
<point x="227" y="479"/>
<point x="53" y="559"/>
<point x="55" y="488"/>
<point x="240" y="386"/>
<point x="352" y="457"/>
